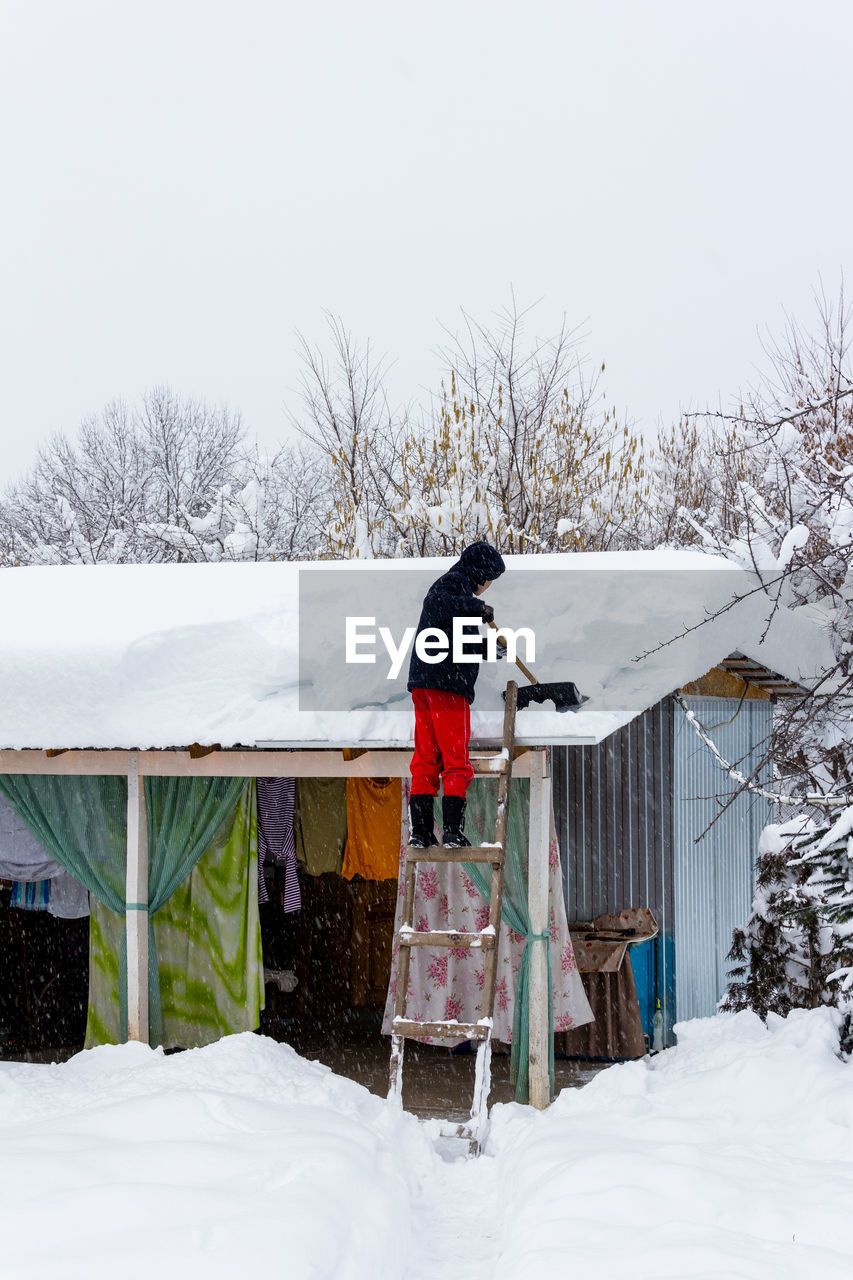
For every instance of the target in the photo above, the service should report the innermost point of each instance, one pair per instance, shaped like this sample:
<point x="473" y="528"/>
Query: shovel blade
<point x="564" y="695"/>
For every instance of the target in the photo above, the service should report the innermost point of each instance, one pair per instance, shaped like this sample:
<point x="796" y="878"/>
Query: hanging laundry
<point x="276" y="842"/>
<point x="34" y="895"/>
<point x="321" y="824"/>
<point x="22" y="856"/>
<point x="69" y="899"/>
<point x="374" y="828"/>
<point x="25" y="860"/>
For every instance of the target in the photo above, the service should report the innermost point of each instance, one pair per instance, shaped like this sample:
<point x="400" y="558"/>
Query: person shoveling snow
<point x="442" y="691"/>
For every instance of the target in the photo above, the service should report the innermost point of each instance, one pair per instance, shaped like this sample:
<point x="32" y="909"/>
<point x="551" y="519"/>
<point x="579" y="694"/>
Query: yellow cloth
<point x="374" y="822"/>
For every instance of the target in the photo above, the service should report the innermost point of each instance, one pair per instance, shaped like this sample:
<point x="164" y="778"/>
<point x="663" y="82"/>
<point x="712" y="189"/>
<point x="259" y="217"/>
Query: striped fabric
<point x="276" y="841"/>
<point x="31" y="896"/>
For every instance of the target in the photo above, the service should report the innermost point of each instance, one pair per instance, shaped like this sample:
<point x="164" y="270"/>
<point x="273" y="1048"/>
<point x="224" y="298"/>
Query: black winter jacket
<point x="452" y="596"/>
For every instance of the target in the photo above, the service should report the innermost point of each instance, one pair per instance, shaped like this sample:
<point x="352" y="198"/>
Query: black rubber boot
<point x="453" y="818"/>
<point x="421" y="830"/>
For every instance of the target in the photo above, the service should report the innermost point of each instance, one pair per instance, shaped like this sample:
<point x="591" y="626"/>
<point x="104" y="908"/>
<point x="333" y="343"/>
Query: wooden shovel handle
<point x="530" y="676"/>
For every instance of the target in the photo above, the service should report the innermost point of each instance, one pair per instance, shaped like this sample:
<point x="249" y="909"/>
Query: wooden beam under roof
<point x="755" y="673"/>
<point x="245" y="763"/>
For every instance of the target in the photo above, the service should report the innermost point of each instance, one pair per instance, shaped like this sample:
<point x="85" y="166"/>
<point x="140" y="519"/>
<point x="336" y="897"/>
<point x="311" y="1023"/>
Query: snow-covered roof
<point x="155" y="656"/>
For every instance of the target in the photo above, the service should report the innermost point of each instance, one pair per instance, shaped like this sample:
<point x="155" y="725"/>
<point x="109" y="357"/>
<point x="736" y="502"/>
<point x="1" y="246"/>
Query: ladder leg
<point x="482" y="1086"/>
<point x="490" y="960"/>
<point x="404" y="955"/>
<point x="496" y="894"/>
<point x="395" y="1084"/>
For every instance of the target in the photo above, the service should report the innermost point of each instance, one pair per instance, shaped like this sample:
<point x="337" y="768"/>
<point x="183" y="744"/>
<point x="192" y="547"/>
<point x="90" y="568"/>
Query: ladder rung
<point x="485" y="762"/>
<point x="444" y="938"/>
<point x="458" y="1129"/>
<point x="441" y="1030"/>
<point x="472" y="853"/>
<point x="495" y="763"/>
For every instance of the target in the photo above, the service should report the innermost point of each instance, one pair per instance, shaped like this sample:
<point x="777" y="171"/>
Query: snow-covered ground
<point x="730" y="1156"/>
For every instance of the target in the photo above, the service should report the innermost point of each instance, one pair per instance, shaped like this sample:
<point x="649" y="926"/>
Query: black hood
<point x="482" y="563"/>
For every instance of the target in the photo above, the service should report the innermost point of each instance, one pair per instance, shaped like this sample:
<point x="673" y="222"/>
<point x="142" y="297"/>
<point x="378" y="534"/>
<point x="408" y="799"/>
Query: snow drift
<point x="727" y="1157"/>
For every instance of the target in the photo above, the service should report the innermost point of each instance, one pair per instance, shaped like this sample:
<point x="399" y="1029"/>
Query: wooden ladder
<point x="500" y="765"/>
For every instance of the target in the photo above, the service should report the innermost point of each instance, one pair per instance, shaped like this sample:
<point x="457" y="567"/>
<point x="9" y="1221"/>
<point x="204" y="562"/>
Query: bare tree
<point x="697" y="468"/>
<point x="346" y="417"/>
<point x="779" y="501"/>
<point x="518" y="447"/>
<point x="130" y="474"/>
<point x="272" y="511"/>
<point x="192" y="449"/>
<point x="294" y="524"/>
<point x="82" y="501"/>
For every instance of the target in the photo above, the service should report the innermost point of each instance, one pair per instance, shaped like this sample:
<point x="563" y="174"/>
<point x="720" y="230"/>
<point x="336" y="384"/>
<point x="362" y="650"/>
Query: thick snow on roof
<point x="165" y="655"/>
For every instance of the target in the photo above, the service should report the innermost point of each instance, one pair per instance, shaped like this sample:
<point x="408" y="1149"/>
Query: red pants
<point x="442" y="732"/>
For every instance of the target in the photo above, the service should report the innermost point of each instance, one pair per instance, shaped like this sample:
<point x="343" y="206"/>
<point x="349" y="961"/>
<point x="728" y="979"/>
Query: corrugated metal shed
<point x="613" y="808"/>
<point x="629" y="812"/>
<point x="714" y="871"/>
<point x="614" y="812"/>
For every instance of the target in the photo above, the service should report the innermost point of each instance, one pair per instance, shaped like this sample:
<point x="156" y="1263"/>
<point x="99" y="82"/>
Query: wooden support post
<point x="136" y="894"/>
<point x="537" y="905"/>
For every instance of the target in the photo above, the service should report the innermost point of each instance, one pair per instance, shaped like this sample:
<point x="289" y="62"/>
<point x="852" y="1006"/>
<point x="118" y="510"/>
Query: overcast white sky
<point x="186" y="183"/>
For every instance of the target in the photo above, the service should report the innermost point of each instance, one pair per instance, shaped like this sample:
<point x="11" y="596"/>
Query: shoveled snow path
<point x="457" y="1221"/>
<point x="729" y="1158"/>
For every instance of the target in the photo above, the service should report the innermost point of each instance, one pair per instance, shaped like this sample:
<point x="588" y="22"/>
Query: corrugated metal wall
<point x="713" y="878"/>
<point x="628" y="813"/>
<point x="613" y="807"/>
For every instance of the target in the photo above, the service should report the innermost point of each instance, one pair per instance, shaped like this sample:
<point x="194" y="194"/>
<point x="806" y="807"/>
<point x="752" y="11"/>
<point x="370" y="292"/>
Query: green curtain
<point x="208" y="946"/>
<point x="82" y="822"/>
<point x="481" y="822"/>
<point x="185" y="816"/>
<point x="103" y="1022"/>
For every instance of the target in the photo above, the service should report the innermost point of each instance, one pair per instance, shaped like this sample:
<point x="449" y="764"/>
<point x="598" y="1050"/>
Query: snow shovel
<point x="563" y="693"/>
